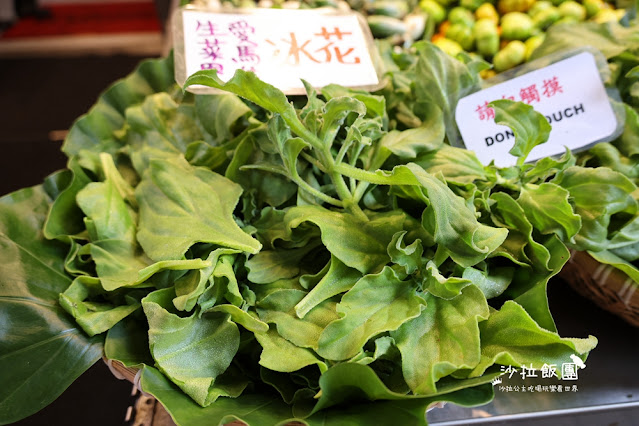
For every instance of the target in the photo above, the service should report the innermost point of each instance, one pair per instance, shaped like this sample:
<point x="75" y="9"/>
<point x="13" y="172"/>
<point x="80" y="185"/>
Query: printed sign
<point x="280" y="46"/>
<point x="570" y="93"/>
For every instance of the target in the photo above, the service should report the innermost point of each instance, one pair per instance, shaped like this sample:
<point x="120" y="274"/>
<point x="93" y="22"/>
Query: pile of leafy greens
<point x="620" y="45"/>
<point x="614" y="239"/>
<point x="266" y="259"/>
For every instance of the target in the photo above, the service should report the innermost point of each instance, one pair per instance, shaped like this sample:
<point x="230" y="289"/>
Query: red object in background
<point x="96" y="18"/>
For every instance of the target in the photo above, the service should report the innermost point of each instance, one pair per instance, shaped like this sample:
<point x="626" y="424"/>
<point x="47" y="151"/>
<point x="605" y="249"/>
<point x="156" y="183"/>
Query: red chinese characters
<point x="485" y="112"/>
<point x="246" y="53"/>
<point x="321" y="47"/>
<point x="551" y="87"/>
<point x="530" y="94"/>
<point x="212" y="38"/>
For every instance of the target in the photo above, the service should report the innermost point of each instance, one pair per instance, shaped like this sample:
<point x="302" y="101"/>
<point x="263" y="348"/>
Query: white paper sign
<point x="280" y="46"/>
<point x="570" y="93"/>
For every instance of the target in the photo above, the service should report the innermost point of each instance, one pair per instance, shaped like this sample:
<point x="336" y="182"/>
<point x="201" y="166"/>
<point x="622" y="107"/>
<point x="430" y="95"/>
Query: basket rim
<point x="607" y="286"/>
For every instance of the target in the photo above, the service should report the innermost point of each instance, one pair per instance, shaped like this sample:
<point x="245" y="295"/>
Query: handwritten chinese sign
<point x="280" y="46"/>
<point x="569" y="93"/>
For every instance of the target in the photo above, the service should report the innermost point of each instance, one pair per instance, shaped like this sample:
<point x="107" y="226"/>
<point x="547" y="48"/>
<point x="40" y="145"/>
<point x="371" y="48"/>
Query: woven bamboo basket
<point x="148" y="411"/>
<point x="605" y="285"/>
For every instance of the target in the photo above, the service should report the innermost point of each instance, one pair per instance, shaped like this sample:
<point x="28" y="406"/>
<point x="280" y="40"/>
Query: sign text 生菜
<point x="281" y="46"/>
<point x="569" y="93"/>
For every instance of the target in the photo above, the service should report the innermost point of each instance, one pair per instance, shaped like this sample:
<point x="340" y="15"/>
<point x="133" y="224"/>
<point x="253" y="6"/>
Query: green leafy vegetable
<point x="377" y="303"/>
<point x="530" y="128"/>
<point x="182" y="347"/>
<point x="437" y="335"/>
<point x="201" y="201"/>
<point x="41" y="344"/>
<point x="325" y="259"/>
<point x="518" y="343"/>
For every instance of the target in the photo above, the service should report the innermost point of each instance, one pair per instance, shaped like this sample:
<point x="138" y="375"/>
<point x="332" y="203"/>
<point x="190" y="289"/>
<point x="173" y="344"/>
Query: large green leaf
<point x="596" y="194"/>
<point x="65" y="216"/>
<point x="254" y="409"/>
<point x="511" y="337"/>
<point x="549" y="211"/>
<point x="182" y="347"/>
<point x="456" y="164"/>
<point x="279" y="308"/>
<point x="530" y="127"/>
<point x="454" y="224"/>
<point x="42" y="351"/>
<point x="191" y="286"/>
<point x="94" y="130"/>
<point x="365" y="249"/>
<point x="111" y="224"/>
<point x="182" y="205"/>
<point x="446" y="337"/>
<point x="221" y="115"/>
<point x="278" y="354"/>
<point x="248" y="86"/>
<point x="377" y="303"/>
<point x="520" y="245"/>
<point x="443" y="81"/>
<point x="356" y="382"/>
<point x="338" y="279"/>
<point x="95" y="318"/>
<point x="162" y="124"/>
<point x="128" y="343"/>
<point x="411" y="143"/>
<point x="110" y="217"/>
<point x="371" y="402"/>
